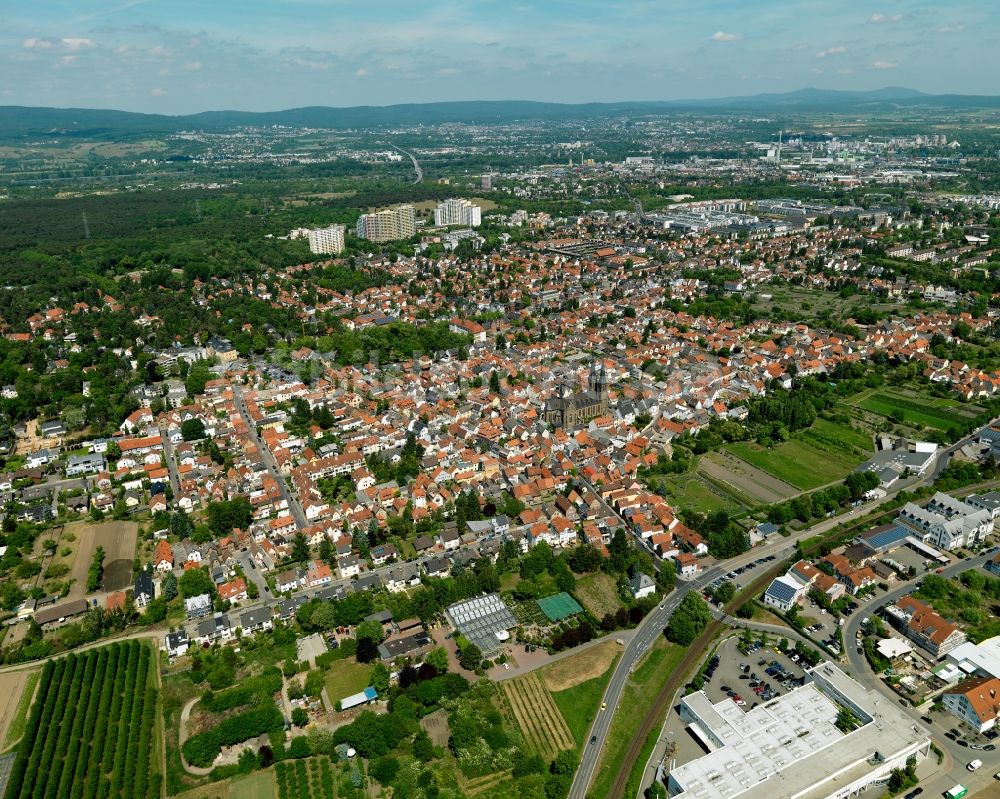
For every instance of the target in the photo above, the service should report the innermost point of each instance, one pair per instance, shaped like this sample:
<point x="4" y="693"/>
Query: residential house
<point x="198" y="607"/>
<point x="975" y="702"/>
<point x="923" y="625"/>
<point x="642" y="585"/>
<point x="144" y="591"/>
<point x="176" y="643"/>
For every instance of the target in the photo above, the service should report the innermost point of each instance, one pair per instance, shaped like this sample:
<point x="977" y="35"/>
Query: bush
<point x="203" y="748"/>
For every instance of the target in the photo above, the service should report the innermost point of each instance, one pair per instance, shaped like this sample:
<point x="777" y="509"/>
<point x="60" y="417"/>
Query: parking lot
<point x="945" y="725"/>
<point x="758" y="676"/>
<point x="743" y="575"/>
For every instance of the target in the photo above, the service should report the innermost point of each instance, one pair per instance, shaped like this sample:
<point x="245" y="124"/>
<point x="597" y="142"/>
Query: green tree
<point x="300" y="547"/>
<point x="195" y="582"/>
<point x="471" y="657"/>
<point x="192" y="429"/>
<point x="300" y="718"/>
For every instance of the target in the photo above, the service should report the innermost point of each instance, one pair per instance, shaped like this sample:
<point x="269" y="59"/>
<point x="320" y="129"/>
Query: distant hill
<point x="20" y="122"/>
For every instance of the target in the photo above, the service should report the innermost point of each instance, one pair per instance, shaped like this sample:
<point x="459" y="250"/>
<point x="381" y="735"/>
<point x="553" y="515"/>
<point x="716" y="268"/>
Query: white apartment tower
<point x="327" y="240"/>
<point x="389" y="224"/>
<point x="457" y="212"/>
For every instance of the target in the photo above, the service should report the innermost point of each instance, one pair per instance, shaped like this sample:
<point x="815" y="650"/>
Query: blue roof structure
<point x="886" y="539"/>
<point x="781" y="590"/>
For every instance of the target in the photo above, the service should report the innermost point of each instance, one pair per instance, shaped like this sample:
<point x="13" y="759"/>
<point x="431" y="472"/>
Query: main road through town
<point x="654" y="624"/>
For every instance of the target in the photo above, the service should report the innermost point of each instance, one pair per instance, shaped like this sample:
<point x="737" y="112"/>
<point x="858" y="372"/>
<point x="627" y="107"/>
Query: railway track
<point x="696" y="651"/>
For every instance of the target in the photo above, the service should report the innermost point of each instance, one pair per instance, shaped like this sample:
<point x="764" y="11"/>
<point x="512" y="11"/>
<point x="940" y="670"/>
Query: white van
<point x="975" y="764"/>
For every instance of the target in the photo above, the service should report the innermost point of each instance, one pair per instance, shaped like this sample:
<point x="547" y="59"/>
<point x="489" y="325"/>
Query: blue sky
<point x="182" y="56"/>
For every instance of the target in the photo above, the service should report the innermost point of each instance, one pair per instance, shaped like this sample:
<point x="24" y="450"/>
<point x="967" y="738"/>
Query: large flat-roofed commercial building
<point x="327" y="240"/>
<point x="791" y="746"/>
<point x="389" y="224"/>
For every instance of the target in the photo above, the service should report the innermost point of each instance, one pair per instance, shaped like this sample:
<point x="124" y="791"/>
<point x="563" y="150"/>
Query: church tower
<point x="598" y="380"/>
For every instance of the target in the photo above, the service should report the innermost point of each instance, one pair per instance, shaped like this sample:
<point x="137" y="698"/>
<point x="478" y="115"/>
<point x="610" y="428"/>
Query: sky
<point x="185" y="56"/>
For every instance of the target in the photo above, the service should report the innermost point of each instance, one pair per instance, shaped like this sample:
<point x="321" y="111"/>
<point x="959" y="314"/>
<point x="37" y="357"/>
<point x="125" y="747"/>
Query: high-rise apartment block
<point x="327" y="240"/>
<point x="389" y="224"/>
<point x="457" y="212"/>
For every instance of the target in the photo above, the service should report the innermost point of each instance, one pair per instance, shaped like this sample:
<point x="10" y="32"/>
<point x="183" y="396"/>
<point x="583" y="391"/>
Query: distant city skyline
<point x="185" y="56"/>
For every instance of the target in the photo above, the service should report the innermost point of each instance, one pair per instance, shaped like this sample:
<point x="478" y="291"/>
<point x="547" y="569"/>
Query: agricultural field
<point x="18" y="688"/>
<point x="795" y="462"/>
<point x="748" y="483"/>
<point x="299" y="779"/>
<point x="214" y="790"/>
<point x="598" y="594"/>
<point x="91" y="728"/>
<point x="346" y="677"/>
<point x="695" y="492"/>
<point x="577" y="684"/>
<point x="118" y="540"/>
<point x="916" y="409"/>
<point x="544" y="729"/>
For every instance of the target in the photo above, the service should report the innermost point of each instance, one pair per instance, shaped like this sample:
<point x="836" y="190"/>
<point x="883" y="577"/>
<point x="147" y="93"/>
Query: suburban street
<point x="861" y="671"/>
<point x="272" y="467"/>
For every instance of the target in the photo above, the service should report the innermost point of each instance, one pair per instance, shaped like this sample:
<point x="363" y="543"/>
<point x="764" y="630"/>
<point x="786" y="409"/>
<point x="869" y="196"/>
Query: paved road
<point x="168" y="452"/>
<point x="272" y="466"/>
<point x="860" y="670"/>
<point x="253" y="573"/>
<point x="654" y="624"/>
<point x="648" y="630"/>
<point x="416" y="165"/>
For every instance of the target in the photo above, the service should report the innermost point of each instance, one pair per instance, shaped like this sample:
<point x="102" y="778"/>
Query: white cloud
<point x="360" y="72"/>
<point x="885" y="65"/>
<point x="877" y="18"/>
<point x="845" y="71"/>
<point x="952" y="28"/>
<point x="722" y="36"/>
<point x="831" y="51"/>
<point x="77" y="43"/>
<point x="447" y="71"/>
<point x="193" y="66"/>
<point x="157" y="92"/>
<point x="36" y="44"/>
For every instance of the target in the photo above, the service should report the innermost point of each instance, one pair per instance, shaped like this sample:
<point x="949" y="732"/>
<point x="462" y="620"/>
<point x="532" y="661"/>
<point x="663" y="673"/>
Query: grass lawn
<point x="579" y="704"/>
<point x="406" y="550"/>
<point x="692" y="491"/>
<point x="598" y="593"/>
<point x="796" y="462"/>
<point x="640" y="691"/>
<point x="920" y="411"/>
<point x="509" y="581"/>
<point x="258" y="785"/>
<point x="20" y="719"/>
<point x="347" y="677"/>
<point x="214" y="790"/>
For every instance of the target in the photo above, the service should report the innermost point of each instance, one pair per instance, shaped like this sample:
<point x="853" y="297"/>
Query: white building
<point x="975" y="702"/>
<point x="977" y="660"/>
<point x="791" y="746"/>
<point x="389" y="224"/>
<point x="784" y="592"/>
<point x="327" y="240"/>
<point x="457" y="212"/>
<point x="946" y="522"/>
